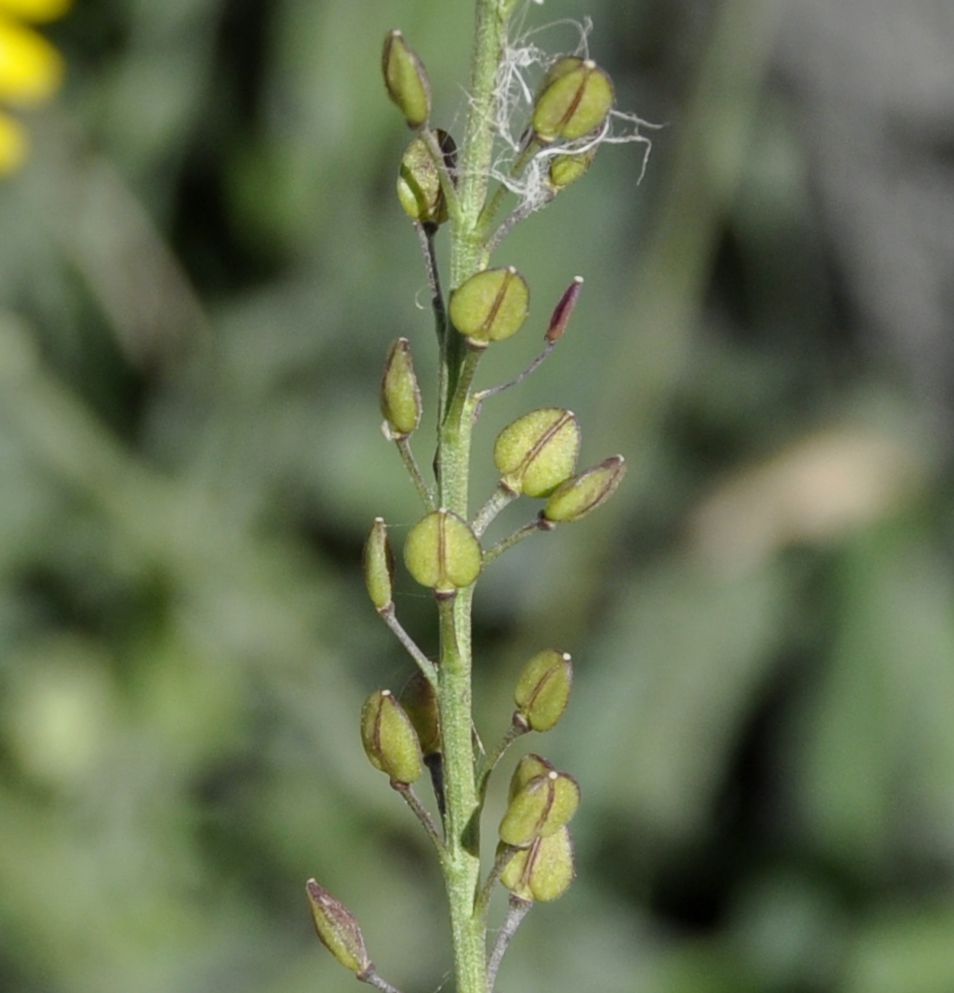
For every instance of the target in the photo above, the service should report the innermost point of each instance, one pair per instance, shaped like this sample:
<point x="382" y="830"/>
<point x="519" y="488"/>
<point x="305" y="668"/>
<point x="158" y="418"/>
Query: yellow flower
<point x="31" y="69"/>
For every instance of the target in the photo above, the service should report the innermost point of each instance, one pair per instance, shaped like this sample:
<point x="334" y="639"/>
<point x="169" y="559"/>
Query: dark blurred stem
<point x="435" y="766"/>
<point x="411" y="799"/>
<point x="414" y="471"/>
<point x="426" y="234"/>
<point x="426" y="666"/>
<point x="447" y="182"/>
<point x="517" y="910"/>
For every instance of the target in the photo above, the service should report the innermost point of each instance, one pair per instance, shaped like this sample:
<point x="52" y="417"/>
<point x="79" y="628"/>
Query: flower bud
<point x="379" y="565"/>
<point x="419" y="700"/>
<point x="563" y="311"/>
<point x="585" y="492"/>
<point x="441" y="552"/>
<point x="540" y="808"/>
<point x="565" y="170"/>
<point x="529" y="767"/>
<point x="543" y="871"/>
<point x="575" y="99"/>
<point x="538" y="451"/>
<point x="419" y="182"/>
<point x="543" y="689"/>
<point x="400" y="392"/>
<point x="406" y="80"/>
<point x="337" y="928"/>
<point x="490" y="306"/>
<point x="389" y="738"/>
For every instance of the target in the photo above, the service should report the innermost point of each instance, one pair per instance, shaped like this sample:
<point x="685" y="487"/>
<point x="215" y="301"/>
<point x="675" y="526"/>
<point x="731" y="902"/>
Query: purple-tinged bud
<point x="564" y="311"/>
<point x="389" y="738"/>
<point x="338" y="930"/>
<point x="575" y="498"/>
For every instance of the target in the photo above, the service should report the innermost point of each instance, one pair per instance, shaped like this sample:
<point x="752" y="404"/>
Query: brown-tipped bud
<point x="565" y="170"/>
<point x="379" y="565"/>
<point x="338" y="930"/>
<point x="400" y="392"/>
<point x="542" y="872"/>
<point x="406" y="80"/>
<point x="538" y="451"/>
<point x="419" y="700"/>
<point x="389" y="738"/>
<point x="575" y="99"/>
<point x="585" y="492"/>
<point x="419" y="182"/>
<point x="441" y="552"/>
<point x="563" y="311"/>
<point x="543" y="689"/>
<point x="490" y="306"/>
<point x="541" y="807"/>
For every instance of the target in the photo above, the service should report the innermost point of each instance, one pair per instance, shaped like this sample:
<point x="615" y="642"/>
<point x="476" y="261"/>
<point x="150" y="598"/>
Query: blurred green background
<point x="201" y="269"/>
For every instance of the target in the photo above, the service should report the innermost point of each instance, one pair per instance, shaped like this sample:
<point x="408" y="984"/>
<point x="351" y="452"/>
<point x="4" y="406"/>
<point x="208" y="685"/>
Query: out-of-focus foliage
<point x="200" y="273"/>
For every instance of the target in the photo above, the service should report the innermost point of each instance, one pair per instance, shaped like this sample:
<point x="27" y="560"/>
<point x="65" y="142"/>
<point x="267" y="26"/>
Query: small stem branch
<point x="515" y="217"/>
<point x="516" y="912"/>
<point x="411" y="799"/>
<point x="371" y="977"/>
<point x="490" y="210"/>
<point x="517" y="380"/>
<point x="426" y="666"/>
<point x="499" y="499"/>
<point x="414" y="471"/>
<point x="517" y="728"/>
<point x="435" y="766"/>
<point x="425" y="234"/>
<point x="519" y="535"/>
<point x="486" y="892"/>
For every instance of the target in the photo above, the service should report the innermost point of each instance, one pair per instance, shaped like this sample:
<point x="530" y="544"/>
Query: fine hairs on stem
<point x="535" y="122"/>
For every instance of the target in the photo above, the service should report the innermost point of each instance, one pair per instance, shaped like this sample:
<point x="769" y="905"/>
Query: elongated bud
<point x="575" y="99"/>
<point x="542" y="872"/>
<point x="490" y="306"/>
<point x="563" y="311"/>
<point x="441" y="552"/>
<point x="585" y="492"/>
<point x="539" y="808"/>
<point x="406" y="80"/>
<point x="400" y="392"/>
<point x="543" y="689"/>
<point x="379" y="565"/>
<point x="419" y="700"/>
<point x="565" y="170"/>
<point x="338" y="930"/>
<point x="538" y="451"/>
<point x="419" y="183"/>
<point x="389" y="738"/>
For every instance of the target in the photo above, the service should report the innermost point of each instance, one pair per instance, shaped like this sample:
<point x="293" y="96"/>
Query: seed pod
<point x="419" y="700"/>
<point x="560" y="318"/>
<point x="389" y="738"/>
<point x="575" y="99"/>
<point x="585" y="492"/>
<point x="338" y="930"/>
<point x="406" y="80"/>
<point x="539" y="808"/>
<point x="419" y="183"/>
<point x="379" y="565"/>
<point x="529" y="767"/>
<point x="490" y="306"/>
<point x="538" y="451"/>
<point x="400" y="392"/>
<point x="543" y="871"/>
<point x="441" y="552"/>
<point x="565" y="170"/>
<point x="543" y="689"/>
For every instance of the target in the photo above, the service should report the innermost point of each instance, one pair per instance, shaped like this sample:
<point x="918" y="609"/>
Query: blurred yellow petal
<point x="30" y="67"/>
<point x="13" y="145"/>
<point x="36" y="11"/>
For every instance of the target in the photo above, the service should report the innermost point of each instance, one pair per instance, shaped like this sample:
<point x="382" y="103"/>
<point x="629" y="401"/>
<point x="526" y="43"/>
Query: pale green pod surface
<point x="549" y="866"/>
<point x="389" y="738"/>
<point x="529" y="767"/>
<point x="490" y="306"/>
<point x="575" y="99"/>
<point x="337" y="928"/>
<point x="590" y="489"/>
<point x="419" y="700"/>
<point x="441" y="552"/>
<point x="513" y="875"/>
<point x="541" y="807"/>
<point x="400" y="392"/>
<point x="406" y="80"/>
<point x="538" y="451"/>
<point x="543" y="689"/>
<point x="378" y="565"/>
<point x="565" y="170"/>
<point x="419" y="185"/>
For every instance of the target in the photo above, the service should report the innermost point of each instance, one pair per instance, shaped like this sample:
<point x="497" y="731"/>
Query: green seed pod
<point x="379" y="565"/>
<point x="539" y="808"/>
<point x="419" y="700"/>
<point x="419" y="184"/>
<point x="529" y="767"/>
<point x="565" y="170"/>
<point x="542" y="872"/>
<point x="441" y="552"/>
<point x="406" y="80"/>
<point x="575" y="99"/>
<point x="389" y="738"/>
<point x="543" y="689"/>
<point x="490" y="306"/>
<point x="538" y="451"/>
<point x="585" y="492"/>
<point x="400" y="392"/>
<point x="338" y="930"/>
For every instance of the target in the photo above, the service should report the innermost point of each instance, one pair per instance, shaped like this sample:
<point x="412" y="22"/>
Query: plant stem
<point x="516" y="912"/>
